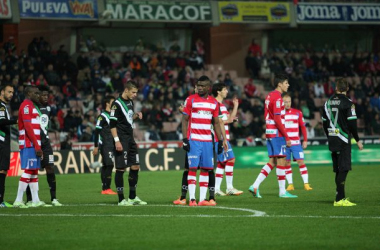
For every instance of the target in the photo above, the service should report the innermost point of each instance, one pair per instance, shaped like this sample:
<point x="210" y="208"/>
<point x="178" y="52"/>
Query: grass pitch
<point x="90" y="220"/>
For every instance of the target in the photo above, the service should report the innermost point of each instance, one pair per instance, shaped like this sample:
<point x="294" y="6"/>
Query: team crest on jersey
<point x="48" y="108"/>
<point x="278" y="104"/>
<point x="26" y="110"/>
<point x="2" y="108"/>
<point x="44" y="120"/>
<point x="114" y="107"/>
<point x="2" y="113"/>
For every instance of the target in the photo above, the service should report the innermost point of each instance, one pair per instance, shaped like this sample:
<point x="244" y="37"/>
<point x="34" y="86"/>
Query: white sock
<point x="265" y="171"/>
<point x="219" y="176"/>
<point x="304" y="174"/>
<point x="203" y="185"/>
<point x="192" y="183"/>
<point x="280" y="171"/>
<point x="33" y="184"/>
<point x="229" y="174"/>
<point x="22" y="185"/>
<point x="289" y="174"/>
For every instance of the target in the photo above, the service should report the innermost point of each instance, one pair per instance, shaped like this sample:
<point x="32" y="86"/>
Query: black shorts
<point x="5" y="157"/>
<point x="342" y="159"/>
<point x="107" y="153"/>
<point x="129" y="156"/>
<point x="48" y="156"/>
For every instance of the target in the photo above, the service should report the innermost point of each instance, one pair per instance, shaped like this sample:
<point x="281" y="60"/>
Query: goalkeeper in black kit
<point x="339" y="123"/>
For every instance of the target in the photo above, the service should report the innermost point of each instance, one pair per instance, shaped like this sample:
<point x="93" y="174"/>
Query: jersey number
<point x="335" y="116"/>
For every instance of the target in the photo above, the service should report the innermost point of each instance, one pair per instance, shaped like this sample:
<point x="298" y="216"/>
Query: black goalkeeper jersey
<point x="44" y="122"/>
<point x="337" y="113"/>
<point x="122" y="112"/>
<point x="5" y="121"/>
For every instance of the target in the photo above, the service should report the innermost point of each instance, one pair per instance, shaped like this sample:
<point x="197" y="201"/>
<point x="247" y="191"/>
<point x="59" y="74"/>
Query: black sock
<point x="52" y="185"/>
<point x="28" y="194"/>
<point x="119" y="182"/>
<point x="340" y="181"/>
<point x="184" y="184"/>
<point x="211" y="184"/>
<point x="2" y="187"/>
<point x="132" y="179"/>
<point x="103" y="177"/>
<point x="108" y="176"/>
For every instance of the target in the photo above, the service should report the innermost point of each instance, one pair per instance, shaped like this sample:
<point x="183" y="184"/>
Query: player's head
<point x="281" y="82"/>
<point x="287" y="101"/>
<point x="31" y="92"/>
<point x="130" y="91"/>
<point x="44" y="94"/>
<point x="107" y="102"/>
<point x="203" y="85"/>
<point x="219" y="89"/>
<point x="6" y="92"/>
<point x="341" y="85"/>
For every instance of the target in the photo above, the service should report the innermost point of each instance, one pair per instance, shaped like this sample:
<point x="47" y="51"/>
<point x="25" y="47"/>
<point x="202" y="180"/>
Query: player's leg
<point x="5" y="159"/>
<point x="206" y="164"/>
<point x="265" y="171"/>
<point x="342" y="166"/>
<point x="3" y="175"/>
<point x="288" y="171"/>
<point x="133" y="177"/>
<point x="193" y="158"/>
<point x="304" y="174"/>
<point x="48" y="164"/>
<point x="106" y="170"/>
<point x="211" y="175"/>
<point x="184" y="186"/>
<point x="120" y="162"/>
<point x="230" y="172"/>
<point x="218" y="178"/>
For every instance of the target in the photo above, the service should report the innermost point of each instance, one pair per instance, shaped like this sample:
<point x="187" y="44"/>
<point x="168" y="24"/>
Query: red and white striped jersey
<point x="293" y="121"/>
<point x="201" y="111"/>
<point x="28" y="113"/>
<point x="274" y="105"/>
<point x="224" y="115"/>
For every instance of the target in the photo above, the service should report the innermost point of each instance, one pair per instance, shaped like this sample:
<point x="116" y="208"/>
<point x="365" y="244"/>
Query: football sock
<point x="192" y="182"/>
<point x="280" y="171"/>
<point x="132" y="179"/>
<point x="119" y="182"/>
<point x="340" y="181"/>
<point x="304" y="173"/>
<point x="2" y="187"/>
<point x="203" y="185"/>
<point x="265" y="171"/>
<point x="184" y="185"/>
<point x="211" y="184"/>
<point x="23" y="184"/>
<point x="229" y="173"/>
<point x="33" y="184"/>
<point x="108" y="177"/>
<point x="103" y="177"/>
<point x="219" y="175"/>
<point x="289" y="174"/>
<point x="52" y="185"/>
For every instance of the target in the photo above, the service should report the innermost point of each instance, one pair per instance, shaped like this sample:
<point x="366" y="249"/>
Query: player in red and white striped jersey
<point x="226" y="160"/>
<point x="293" y="121"/>
<point x="277" y="139"/>
<point x="30" y="146"/>
<point x="201" y="110"/>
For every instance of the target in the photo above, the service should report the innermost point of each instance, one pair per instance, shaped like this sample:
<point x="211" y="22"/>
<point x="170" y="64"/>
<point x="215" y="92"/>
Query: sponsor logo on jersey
<point x="2" y="113"/>
<point x="26" y="110"/>
<point x="278" y="104"/>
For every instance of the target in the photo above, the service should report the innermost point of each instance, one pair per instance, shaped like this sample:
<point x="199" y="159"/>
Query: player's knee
<point x="49" y="169"/>
<point x="120" y="170"/>
<point x="300" y="162"/>
<point x="135" y="167"/>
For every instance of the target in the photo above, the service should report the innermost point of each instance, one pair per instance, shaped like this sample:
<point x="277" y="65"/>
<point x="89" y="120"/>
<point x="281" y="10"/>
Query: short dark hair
<point x="204" y="79"/>
<point x="4" y="85"/>
<point x="131" y="85"/>
<point x="279" y="78"/>
<point x="341" y="84"/>
<point x="218" y="87"/>
<point x="286" y="95"/>
<point x="28" y="89"/>
<point x="106" y="100"/>
<point x="43" y="88"/>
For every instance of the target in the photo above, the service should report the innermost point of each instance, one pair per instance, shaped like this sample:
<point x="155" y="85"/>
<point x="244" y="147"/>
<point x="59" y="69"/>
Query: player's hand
<point x="180" y="109"/>
<point x="139" y="115"/>
<point x="304" y="144"/>
<point x="236" y="119"/>
<point x="360" y="145"/>
<point x="186" y="144"/>
<point x="225" y="145"/>
<point x="288" y="143"/>
<point x="235" y="101"/>
<point x="118" y="146"/>
<point x="220" y="147"/>
<point x="39" y="152"/>
<point x="95" y="151"/>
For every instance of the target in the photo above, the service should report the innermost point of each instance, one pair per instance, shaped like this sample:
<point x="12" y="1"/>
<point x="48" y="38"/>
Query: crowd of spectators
<point x="166" y="75"/>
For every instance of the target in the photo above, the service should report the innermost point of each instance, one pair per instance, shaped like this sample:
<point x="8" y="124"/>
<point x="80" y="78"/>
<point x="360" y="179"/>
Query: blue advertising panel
<point x="59" y="9"/>
<point x="338" y="13"/>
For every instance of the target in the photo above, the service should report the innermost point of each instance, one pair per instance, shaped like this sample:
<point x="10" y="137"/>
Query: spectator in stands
<point x="139" y="47"/>
<point x="375" y="102"/>
<point x="199" y="47"/>
<point x="319" y="131"/>
<point x="329" y="88"/>
<point x="375" y="124"/>
<point x="255" y="48"/>
<point x="151" y="134"/>
<point x="319" y="90"/>
<point x="41" y="80"/>
<point x="98" y="86"/>
<point x="250" y="89"/>
<point x="105" y="61"/>
<point x="135" y="66"/>
<point x="175" y="47"/>
<point x="51" y="76"/>
<point x="117" y="83"/>
<point x="310" y="131"/>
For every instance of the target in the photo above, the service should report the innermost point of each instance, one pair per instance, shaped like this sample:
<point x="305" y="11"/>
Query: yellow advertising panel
<point x="253" y="12"/>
